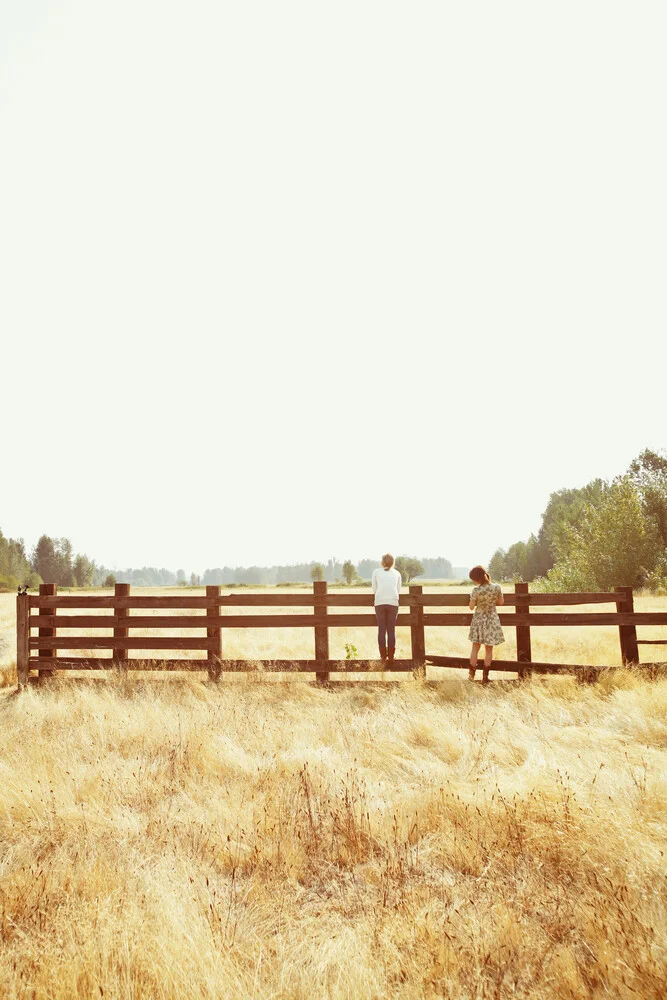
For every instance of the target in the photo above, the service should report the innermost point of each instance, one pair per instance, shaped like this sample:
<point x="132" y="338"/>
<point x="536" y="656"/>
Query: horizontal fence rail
<point x="54" y="617"/>
<point x="338" y="621"/>
<point x="414" y="598"/>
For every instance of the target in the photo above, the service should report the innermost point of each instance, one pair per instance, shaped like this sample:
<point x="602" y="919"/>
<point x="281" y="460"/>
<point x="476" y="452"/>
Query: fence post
<point x="47" y="590"/>
<point x="22" y="638"/>
<point x="321" y="631"/>
<point x="523" y="649"/>
<point x="120" y="631"/>
<point x="417" y="638"/>
<point x="214" y="654"/>
<point x="627" y="634"/>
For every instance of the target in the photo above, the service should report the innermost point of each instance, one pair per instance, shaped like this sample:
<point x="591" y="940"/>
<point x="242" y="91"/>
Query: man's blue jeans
<point x="386" y="616"/>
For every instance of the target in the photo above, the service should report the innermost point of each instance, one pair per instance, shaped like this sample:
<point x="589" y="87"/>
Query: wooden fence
<point x="49" y="613"/>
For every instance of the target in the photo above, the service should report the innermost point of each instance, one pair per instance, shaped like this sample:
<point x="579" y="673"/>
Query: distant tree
<point x="84" y="571"/>
<point x="409" y="568"/>
<point x="251" y="574"/>
<point x="516" y="561"/>
<point x="649" y="474"/>
<point x="438" y="568"/>
<point x="317" y="572"/>
<point x="52" y="560"/>
<point x="539" y="559"/>
<point x="567" y="508"/>
<point x="110" y="580"/>
<point x="194" y="580"/>
<point x="65" y="569"/>
<point x="497" y="569"/>
<point x="180" y="576"/>
<point x="13" y="559"/>
<point x="366" y="566"/>
<point x="333" y="569"/>
<point x="44" y="560"/>
<point x="349" y="572"/>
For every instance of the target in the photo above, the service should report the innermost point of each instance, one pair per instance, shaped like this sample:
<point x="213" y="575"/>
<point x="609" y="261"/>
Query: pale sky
<point x="285" y="281"/>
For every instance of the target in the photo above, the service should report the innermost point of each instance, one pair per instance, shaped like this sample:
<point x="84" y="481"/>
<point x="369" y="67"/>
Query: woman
<point x="485" y="628"/>
<point x="387" y="588"/>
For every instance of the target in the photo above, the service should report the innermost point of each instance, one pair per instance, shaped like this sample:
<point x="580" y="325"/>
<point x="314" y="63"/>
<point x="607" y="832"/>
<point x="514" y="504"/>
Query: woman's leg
<point x="392" y="612"/>
<point x="382" y="629"/>
<point x="488" y="657"/>
<point x="473" y="660"/>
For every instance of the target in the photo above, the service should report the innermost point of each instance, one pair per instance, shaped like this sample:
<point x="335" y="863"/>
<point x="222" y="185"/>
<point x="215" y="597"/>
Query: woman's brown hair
<point x="387" y="560"/>
<point x="479" y="576"/>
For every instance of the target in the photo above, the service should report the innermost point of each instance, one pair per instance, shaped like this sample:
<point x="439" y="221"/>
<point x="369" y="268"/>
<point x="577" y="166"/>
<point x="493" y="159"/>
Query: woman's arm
<point x="500" y="597"/>
<point x="374" y="581"/>
<point x="473" y="601"/>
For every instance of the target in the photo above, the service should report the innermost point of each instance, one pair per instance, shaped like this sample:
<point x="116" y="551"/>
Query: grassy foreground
<point x="172" y="839"/>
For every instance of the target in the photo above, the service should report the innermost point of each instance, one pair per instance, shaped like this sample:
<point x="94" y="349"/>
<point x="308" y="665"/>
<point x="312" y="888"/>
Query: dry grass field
<point x="163" y="837"/>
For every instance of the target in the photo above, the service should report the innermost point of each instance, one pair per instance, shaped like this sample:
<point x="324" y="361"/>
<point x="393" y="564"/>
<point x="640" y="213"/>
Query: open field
<point x="167" y="838"/>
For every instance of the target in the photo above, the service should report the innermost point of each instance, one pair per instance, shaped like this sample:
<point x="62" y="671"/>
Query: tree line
<point x="604" y="534"/>
<point x="54" y="561"/>
<point x="333" y="571"/>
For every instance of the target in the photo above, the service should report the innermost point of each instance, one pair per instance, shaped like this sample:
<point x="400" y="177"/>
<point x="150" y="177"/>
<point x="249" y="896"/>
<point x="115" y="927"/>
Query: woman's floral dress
<point x="485" y="626"/>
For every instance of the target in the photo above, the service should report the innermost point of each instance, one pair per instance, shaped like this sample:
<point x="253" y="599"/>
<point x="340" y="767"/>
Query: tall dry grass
<point x="173" y="839"/>
<point x="166" y="838"/>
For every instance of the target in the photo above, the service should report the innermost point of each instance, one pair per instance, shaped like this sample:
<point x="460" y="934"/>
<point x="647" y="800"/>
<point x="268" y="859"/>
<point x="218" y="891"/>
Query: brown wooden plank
<point x="131" y="642"/>
<point x="133" y="601"/>
<point x="339" y="620"/>
<point x="536" y="600"/>
<point x="627" y="632"/>
<point x="131" y="621"/>
<point x="565" y="618"/>
<point x="303" y="599"/>
<point x="73" y="621"/>
<point x="206" y="621"/>
<point x="214" y="633"/>
<point x="426" y="600"/>
<point x="210" y="620"/>
<point x="231" y="666"/>
<point x="107" y="663"/>
<point x="305" y="621"/>
<point x="320" y="611"/>
<point x="417" y="639"/>
<point x="652" y="642"/>
<point x="523" y="646"/>
<point x="316" y="666"/>
<point x="22" y="637"/>
<point x="547" y="600"/>
<point x="46" y="591"/>
<point x="512" y="666"/>
<point x="120" y="631"/>
<point x="84" y="600"/>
